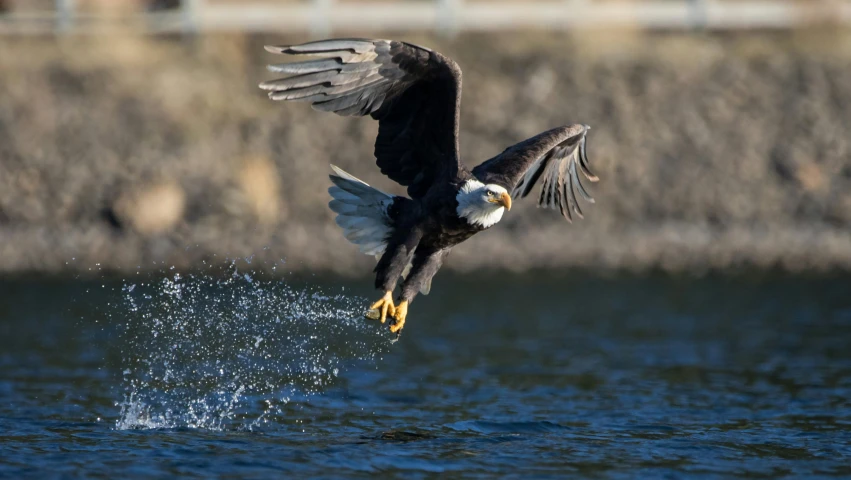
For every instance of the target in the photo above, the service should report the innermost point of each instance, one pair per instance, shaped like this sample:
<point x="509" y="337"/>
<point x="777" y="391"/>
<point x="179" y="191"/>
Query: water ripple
<point x="642" y="377"/>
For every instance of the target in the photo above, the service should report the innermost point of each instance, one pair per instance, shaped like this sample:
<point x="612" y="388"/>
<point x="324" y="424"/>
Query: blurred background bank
<point x="133" y="134"/>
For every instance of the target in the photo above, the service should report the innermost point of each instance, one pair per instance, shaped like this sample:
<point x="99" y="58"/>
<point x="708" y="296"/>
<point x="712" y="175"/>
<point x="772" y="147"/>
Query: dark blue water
<point x="494" y="374"/>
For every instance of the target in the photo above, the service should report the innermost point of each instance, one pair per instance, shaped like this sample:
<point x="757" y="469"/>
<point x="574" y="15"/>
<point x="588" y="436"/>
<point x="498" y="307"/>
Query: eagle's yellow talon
<point x="401" y="313"/>
<point x="385" y="306"/>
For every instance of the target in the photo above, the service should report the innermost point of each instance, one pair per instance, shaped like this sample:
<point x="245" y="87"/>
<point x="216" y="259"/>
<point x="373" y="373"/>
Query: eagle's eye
<point x="490" y="193"/>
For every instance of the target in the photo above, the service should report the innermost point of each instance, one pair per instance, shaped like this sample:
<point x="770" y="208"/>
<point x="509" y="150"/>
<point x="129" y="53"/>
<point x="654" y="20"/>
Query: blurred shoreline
<point x="714" y="152"/>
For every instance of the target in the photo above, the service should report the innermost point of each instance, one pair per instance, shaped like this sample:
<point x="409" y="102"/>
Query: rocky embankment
<point x="713" y="153"/>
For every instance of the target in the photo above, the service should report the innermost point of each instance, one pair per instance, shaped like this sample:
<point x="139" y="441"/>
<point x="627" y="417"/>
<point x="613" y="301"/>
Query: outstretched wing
<point x="413" y="92"/>
<point x="557" y="155"/>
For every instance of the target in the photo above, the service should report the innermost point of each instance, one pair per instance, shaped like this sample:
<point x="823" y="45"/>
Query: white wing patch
<point x="361" y="212"/>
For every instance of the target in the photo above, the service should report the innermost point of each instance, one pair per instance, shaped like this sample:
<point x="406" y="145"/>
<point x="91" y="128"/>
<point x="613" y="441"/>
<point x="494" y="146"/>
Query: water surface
<point x="537" y="374"/>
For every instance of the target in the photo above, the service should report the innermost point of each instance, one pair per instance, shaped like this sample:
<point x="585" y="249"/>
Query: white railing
<point x="322" y="17"/>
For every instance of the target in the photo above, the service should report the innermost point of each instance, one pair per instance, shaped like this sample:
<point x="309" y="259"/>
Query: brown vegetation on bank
<point x="713" y="152"/>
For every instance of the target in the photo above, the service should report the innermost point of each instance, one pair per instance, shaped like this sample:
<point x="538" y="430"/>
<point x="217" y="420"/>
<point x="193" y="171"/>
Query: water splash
<point x="234" y="352"/>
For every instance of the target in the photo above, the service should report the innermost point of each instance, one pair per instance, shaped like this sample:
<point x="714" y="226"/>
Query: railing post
<point x="698" y="14"/>
<point x="576" y="8"/>
<point x="190" y="11"/>
<point x="65" y="15"/>
<point x="320" y="26"/>
<point x="447" y="16"/>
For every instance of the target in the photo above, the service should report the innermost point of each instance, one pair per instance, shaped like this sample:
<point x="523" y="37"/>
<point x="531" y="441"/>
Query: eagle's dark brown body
<point x="425" y="231"/>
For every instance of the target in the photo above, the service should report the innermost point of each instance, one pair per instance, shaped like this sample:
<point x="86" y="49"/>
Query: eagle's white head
<point x="481" y="204"/>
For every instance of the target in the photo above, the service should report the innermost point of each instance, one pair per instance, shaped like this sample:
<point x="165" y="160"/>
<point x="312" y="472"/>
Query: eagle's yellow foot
<point x="399" y="316"/>
<point x="382" y="308"/>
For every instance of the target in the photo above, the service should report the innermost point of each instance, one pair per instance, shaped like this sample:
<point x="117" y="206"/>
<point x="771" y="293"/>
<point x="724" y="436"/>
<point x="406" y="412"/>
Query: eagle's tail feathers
<point x="362" y="212"/>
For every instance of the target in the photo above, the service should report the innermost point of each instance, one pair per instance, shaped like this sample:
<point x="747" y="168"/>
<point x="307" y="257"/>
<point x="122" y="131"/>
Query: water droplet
<point x="195" y="349"/>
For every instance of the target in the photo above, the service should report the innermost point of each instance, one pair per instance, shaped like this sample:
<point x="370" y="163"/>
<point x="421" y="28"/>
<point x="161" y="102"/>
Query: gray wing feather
<point x="413" y="92"/>
<point x="325" y="46"/>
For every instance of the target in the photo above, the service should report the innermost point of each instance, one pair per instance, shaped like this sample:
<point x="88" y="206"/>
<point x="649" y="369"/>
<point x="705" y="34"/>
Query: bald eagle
<point x="415" y="94"/>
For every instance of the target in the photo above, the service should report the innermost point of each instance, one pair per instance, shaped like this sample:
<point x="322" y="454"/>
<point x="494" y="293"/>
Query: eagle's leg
<point x="398" y="254"/>
<point x="384" y="306"/>
<point x="399" y="317"/>
<point x="425" y="265"/>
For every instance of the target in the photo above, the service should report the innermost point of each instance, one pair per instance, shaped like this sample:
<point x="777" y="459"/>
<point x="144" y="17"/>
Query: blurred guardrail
<point x="321" y="17"/>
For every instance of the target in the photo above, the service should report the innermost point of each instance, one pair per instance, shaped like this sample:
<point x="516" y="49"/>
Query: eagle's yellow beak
<point x="505" y="201"/>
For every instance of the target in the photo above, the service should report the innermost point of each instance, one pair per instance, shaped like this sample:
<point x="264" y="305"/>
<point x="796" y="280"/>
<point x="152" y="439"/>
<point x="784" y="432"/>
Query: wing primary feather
<point x="356" y="84"/>
<point x="584" y="164"/>
<point x="284" y="96"/>
<point x="323" y="47"/>
<point x="566" y="212"/>
<point x="547" y="188"/>
<point x="298" y="93"/>
<point x="532" y="176"/>
<point x="571" y="195"/>
<point x="542" y="198"/>
<point x="343" y="105"/>
<point x="575" y="180"/>
<point x="563" y="207"/>
<point x="277" y="49"/>
<point x="359" y="67"/>
<point x="339" y="172"/>
<point x="309" y="66"/>
<point x="563" y="202"/>
<point x="300" y="81"/>
<point x="325" y="93"/>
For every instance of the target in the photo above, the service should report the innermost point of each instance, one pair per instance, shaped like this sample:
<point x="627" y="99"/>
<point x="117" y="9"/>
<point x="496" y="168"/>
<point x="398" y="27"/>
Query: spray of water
<point x="233" y="353"/>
